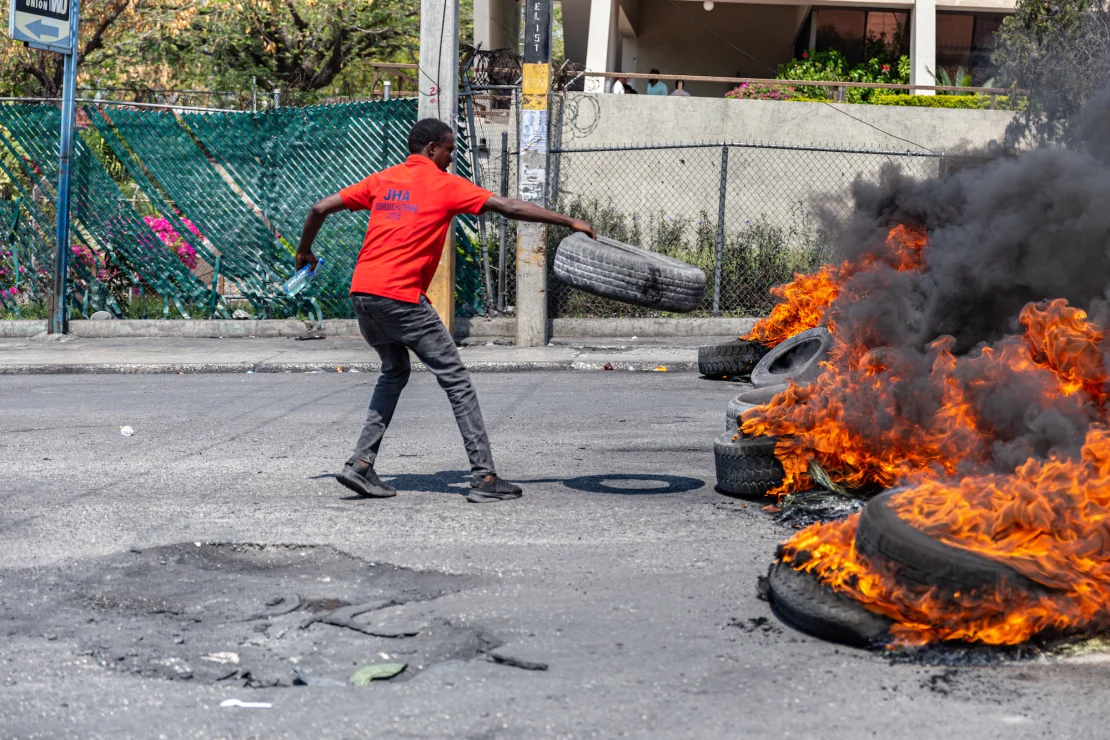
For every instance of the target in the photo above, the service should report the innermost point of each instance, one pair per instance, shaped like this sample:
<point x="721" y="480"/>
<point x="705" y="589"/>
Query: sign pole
<point x="59" y="319"/>
<point x="531" y="245"/>
<point x="439" y="98"/>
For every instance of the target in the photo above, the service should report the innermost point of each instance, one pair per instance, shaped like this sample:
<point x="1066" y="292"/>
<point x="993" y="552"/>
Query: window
<point x="861" y="34"/>
<point x="966" y="40"/>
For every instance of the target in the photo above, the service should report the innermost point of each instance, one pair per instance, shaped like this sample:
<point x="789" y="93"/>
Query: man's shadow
<point x="617" y="484"/>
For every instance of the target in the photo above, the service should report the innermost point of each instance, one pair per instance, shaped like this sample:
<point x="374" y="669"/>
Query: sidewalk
<point x="75" y="355"/>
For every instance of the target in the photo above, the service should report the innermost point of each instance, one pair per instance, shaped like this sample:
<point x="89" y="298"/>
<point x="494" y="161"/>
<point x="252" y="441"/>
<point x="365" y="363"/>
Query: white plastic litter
<point x="126" y="431"/>
<point x="245" y="704"/>
<point x="222" y="658"/>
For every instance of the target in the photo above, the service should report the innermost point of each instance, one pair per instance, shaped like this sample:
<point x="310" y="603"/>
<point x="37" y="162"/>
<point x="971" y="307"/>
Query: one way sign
<point x="41" y="23"/>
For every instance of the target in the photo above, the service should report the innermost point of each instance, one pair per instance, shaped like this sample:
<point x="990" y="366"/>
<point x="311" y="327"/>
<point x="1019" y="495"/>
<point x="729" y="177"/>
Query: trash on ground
<point x="376" y="672"/>
<point x="221" y="658"/>
<point x="126" y="431"/>
<point x="608" y="366"/>
<point x="528" y="665"/>
<point x="303" y="679"/>
<point x="245" y="704"/>
<point x="101" y="316"/>
<point x="660" y="369"/>
<point x="240" y="315"/>
<point x="310" y="337"/>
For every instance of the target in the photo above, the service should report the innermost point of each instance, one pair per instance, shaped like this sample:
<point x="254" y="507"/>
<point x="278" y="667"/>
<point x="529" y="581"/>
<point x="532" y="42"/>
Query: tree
<point x="1058" y="50"/>
<point x="112" y="31"/>
<point x="299" y="45"/>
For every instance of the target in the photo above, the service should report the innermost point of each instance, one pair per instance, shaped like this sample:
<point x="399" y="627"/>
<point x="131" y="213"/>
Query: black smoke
<point x="1019" y="228"/>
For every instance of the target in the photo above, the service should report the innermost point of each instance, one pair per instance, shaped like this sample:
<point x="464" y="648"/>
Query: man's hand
<point x="307" y="258"/>
<point x="583" y="227"/>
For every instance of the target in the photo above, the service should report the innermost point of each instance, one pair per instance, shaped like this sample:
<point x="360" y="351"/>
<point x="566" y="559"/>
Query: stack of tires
<point x="747" y="466"/>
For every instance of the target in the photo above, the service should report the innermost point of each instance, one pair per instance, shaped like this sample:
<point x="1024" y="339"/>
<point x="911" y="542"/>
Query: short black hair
<point x="425" y="132"/>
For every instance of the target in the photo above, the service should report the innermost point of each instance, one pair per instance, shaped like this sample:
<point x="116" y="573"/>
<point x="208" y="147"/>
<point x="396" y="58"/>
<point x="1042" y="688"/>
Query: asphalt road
<point x="129" y="565"/>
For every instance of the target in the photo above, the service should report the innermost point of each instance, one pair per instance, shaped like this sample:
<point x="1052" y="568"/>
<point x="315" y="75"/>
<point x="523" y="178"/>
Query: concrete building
<point x="750" y="38"/>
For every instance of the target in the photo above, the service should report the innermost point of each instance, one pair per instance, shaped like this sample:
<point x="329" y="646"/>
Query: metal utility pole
<point x="439" y="98"/>
<point x="54" y="28"/>
<point x="531" y="246"/>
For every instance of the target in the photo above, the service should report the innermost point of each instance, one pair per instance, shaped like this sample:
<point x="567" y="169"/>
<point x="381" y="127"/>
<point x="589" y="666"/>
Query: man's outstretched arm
<point x="312" y="223"/>
<point x="520" y="210"/>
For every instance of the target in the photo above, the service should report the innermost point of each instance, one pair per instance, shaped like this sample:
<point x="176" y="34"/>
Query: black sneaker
<point x="498" y="490"/>
<point x="361" y="478"/>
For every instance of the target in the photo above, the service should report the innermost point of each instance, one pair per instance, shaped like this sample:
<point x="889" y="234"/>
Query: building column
<point x="601" y="44"/>
<point x="923" y="45"/>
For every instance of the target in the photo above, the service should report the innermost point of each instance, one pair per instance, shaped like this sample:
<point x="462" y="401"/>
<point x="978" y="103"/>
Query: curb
<point x="465" y="328"/>
<point x="210" y="368"/>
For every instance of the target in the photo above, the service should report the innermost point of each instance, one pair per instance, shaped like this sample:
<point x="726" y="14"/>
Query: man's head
<point x="433" y="139"/>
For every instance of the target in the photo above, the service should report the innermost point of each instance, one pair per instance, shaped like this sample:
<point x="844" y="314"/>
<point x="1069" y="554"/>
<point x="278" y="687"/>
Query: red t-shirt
<point x="411" y="207"/>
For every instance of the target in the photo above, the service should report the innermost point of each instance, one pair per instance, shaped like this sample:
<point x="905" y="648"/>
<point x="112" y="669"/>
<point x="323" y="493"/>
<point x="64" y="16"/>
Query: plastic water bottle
<point x="301" y="279"/>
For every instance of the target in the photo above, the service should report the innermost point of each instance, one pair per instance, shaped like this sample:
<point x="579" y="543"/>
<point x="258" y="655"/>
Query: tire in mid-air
<point x="610" y="269"/>
<point x="729" y="359"/>
<point x="798" y="359"/>
<point x="746" y="466"/>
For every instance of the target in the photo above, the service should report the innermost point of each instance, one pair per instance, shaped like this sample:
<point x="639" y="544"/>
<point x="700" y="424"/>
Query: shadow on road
<point x="620" y="484"/>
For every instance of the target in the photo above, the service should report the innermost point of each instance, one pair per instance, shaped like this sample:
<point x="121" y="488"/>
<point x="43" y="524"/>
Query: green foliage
<point x="831" y="66"/>
<point x="966" y="102"/>
<point x="761" y="91"/>
<point x="1058" y="50"/>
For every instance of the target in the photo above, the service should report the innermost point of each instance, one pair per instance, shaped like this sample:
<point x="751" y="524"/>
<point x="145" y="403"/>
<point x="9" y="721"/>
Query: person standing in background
<point x="680" y="90"/>
<point x="656" y="86"/>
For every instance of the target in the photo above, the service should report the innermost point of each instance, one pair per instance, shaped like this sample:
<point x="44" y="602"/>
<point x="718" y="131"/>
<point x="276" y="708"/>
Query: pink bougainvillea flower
<point x="805" y="55"/>
<point x="886" y="67"/>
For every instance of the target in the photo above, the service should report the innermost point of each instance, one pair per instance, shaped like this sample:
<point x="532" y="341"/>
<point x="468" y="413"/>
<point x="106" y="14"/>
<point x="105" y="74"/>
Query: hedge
<point x="966" y="102"/>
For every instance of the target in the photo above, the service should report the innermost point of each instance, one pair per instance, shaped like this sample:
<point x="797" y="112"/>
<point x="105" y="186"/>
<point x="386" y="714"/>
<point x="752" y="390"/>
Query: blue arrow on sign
<point x="43" y="30"/>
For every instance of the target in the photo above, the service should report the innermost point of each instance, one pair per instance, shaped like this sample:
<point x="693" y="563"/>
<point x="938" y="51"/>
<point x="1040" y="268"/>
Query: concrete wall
<point x="778" y="187"/>
<point x="605" y="120"/>
<point x="762" y="183"/>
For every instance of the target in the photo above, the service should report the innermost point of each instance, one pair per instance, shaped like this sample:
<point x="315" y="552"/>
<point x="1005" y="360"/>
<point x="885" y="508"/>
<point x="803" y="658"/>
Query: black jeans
<point x="394" y="327"/>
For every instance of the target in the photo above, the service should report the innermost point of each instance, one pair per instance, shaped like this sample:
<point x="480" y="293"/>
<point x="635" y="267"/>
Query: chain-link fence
<point x="198" y="210"/>
<point x="746" y="214"/>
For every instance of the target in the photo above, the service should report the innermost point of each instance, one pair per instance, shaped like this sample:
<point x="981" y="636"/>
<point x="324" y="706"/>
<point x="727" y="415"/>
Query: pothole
<point x="242" y="613"/>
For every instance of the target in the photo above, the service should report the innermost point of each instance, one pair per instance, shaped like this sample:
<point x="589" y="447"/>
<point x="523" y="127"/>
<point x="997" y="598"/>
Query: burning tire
<point x="610" y="269"/>
<point x="918" y="559"/>
<point x="802" y="602"/>
<point x="738" y="357"/>
<point x="797" y="359"/>
<point x="746" y="466"/>
<point x="749" y="399"/>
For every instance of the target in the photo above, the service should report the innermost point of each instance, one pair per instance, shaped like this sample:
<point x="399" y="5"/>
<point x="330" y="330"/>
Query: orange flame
<point x="1047" y="520"/>
<point x="854" y="420"/>
<point x="804" y="301"/>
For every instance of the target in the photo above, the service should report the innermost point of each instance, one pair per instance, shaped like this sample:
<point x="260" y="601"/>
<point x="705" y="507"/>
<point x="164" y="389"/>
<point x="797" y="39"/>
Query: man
<point x="411" y="207"/>
<point x="656" y="86"/>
